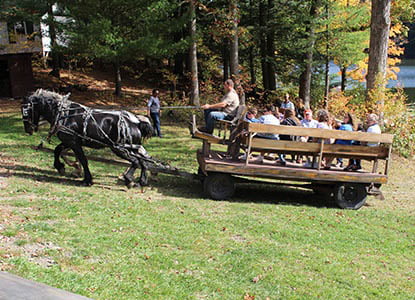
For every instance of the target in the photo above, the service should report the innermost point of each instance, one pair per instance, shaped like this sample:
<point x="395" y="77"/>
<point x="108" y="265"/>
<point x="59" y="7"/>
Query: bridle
<point x="28" y="114"/>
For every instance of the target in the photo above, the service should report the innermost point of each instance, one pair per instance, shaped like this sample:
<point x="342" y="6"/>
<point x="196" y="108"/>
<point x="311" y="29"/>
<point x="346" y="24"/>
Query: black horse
<point x="77" y="125"/>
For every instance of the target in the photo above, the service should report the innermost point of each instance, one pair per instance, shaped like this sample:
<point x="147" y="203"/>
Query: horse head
<point x="30" y="113"/>
<point x="40" y="104"/>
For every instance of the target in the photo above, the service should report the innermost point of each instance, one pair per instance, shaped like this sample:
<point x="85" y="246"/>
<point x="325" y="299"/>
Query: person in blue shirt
<point x="153" y="111"/>
<point x="251" y="115"/>
<point x="349" y="124"/>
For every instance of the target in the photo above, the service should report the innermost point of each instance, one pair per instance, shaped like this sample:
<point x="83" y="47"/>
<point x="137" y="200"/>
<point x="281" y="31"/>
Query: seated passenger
<point x="323" y="118"/>
<point x="373" y="127"/>
<point x="308" y="121"/>
<point x="349" y="124"/>
<point x="251" y="115"/>
<point x="267" y="118"/>
<point x="289" y="120"/>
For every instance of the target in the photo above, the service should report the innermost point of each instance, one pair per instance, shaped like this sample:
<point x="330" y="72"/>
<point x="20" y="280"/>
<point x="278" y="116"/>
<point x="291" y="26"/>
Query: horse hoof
<point x="144" y="183"/>
<point x="61" y="171"/>
<point x="86" y="183"/>
<point x="132" y="184"/>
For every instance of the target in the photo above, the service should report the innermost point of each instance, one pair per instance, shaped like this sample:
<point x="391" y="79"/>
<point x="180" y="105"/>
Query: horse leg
<point x="142" y="152"/>
<point x="74" y="164"/>
<point x="128" y="175"/>
<point x="121" y="177"/>
<point x="57" y="163"/>
<point x="143" y="175"/>
<point x="80" y="155"/>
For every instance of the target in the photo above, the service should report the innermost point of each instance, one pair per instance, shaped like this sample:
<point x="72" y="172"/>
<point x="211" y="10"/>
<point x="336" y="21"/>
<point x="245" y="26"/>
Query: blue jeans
<point x="156" y="121"/>
<point x="211" y="115"/>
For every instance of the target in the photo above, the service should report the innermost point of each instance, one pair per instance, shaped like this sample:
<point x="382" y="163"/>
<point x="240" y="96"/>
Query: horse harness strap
<point x="124" y="131"/>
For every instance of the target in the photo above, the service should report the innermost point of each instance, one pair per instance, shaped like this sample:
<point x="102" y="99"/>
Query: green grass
<point x="168" y="242"/>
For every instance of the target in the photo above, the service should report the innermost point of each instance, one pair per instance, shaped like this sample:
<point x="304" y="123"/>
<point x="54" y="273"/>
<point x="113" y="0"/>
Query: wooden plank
<point x="388" y="160"/>
<point x="375" y="166"/>
<point x="208" y="137"/>
<point x="248" y="152"/>
<point x="206" y="148"/>
<point x="201" y="160"/>
<point x="320" y="133"/>
<point x="294" y="174"/>
<point x="320" y="155"/>
<point x="379" y="152"/>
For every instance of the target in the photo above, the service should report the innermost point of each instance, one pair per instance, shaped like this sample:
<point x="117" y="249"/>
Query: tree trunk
<point x="327" y="71"/>
<point x="53" y="44"/>
<point x="118" y="83"/>
<point x="379" y="38"/>
<point x="234" y="53"/>
<point x="271" y="49"/>
<point x="344" y="79"/>
<point x="178" y="68"/>
<point x="326" y="83"/>
<point x="194" y="94"/>
<point x="225" y="56"/>
<point x="263" y="44"/>
<point x="301" y="91"/>
<point x="251" y="48"/>
<point x="305" y="81"/>
<point x="252" y="65"/>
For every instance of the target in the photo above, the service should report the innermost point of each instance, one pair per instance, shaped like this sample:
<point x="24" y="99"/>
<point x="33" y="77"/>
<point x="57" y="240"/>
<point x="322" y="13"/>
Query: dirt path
<point x="91" y="88"/>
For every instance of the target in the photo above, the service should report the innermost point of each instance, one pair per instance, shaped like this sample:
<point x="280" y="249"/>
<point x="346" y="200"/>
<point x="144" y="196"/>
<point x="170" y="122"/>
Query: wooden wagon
<point x="221" y="169"/>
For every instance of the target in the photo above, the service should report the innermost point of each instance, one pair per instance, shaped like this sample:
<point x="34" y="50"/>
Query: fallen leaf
<point x="256" y="278"/>
<point x="249" y="297"/>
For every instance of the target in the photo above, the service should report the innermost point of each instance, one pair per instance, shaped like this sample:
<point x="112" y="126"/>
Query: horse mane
<point x="48" y="94"/>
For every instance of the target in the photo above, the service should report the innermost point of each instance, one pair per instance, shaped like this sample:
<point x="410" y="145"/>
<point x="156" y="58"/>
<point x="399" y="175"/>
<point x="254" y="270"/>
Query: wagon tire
<point x="350" y="196"/>
<point x="219" y="186"/>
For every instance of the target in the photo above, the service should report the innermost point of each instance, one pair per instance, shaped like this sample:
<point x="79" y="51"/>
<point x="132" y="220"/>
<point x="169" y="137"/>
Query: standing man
<point x="287" y="104"/>
<point x="226" y="109"/>
<point x="153" y="111"/>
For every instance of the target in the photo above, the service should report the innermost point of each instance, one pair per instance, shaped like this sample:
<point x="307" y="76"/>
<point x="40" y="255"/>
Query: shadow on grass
<point x="245" y="192"/>
<point x="40" y="175"/>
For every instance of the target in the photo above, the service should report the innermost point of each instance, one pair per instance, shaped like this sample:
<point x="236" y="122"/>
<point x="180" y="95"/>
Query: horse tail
<point x="146" y="130"/>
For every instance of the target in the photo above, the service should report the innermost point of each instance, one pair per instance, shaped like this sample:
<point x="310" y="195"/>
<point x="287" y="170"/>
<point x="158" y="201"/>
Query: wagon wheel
<point x="350" y="196"/>
<point x="325" y="190"/>
<point x="219" y="186"/>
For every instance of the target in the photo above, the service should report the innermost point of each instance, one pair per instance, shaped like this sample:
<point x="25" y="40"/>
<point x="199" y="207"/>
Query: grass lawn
<point x="168" y="242"/>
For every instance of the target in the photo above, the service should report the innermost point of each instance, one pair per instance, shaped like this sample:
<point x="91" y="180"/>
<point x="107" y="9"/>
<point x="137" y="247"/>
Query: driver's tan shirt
<point x="231" y="99"/>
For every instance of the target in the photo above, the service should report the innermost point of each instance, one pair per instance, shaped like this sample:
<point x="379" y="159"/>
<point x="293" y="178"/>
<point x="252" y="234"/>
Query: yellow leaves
<point x="349" y="2"/>
<point x="396" y="30"/>
<point x="359" y="73"/>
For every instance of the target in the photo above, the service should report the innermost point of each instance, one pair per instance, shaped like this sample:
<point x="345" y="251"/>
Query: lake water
<point x="406" y="77"/>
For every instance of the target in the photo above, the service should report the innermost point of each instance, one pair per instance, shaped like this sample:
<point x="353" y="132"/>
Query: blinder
<point x="28" y="116"/>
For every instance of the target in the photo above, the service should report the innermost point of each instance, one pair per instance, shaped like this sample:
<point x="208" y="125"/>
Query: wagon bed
<point x="349" y="189"/>
<point x="217" y="162"/>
